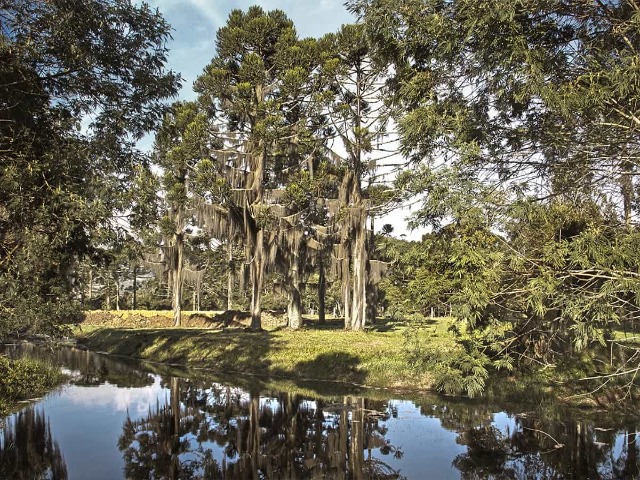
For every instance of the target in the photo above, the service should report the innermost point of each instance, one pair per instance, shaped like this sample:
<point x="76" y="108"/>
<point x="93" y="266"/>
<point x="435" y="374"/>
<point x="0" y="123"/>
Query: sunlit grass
<point x="376" y="357"/>
<point x="152" y="313"/>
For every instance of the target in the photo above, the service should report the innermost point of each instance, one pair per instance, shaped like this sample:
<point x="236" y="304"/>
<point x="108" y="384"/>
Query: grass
<point x="322" y="358"/>
<point x="327" y="353"/>
<point x="151" y="313"/>
<point x="23" y="379"/>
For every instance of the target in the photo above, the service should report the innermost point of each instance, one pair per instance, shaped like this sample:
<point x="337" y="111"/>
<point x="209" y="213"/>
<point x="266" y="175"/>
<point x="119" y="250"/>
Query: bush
<point x="457" y="366"/>
<point x="25" y="378"/>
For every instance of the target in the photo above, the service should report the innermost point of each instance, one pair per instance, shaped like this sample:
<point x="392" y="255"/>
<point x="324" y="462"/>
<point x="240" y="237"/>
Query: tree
<point x="358" y="115"/>
<point x="540" y="119"/>
<point x="255" y="88"/>
<point x="101" y="62"/>
<point x="181" y="142"/>
<point x="28" y="448"/>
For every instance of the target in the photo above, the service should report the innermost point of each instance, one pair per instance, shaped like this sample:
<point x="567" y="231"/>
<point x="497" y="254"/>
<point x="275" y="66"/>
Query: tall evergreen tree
<point x="181" y="143"/>
<point x="359" y="117"/>
<point x="257" y="89"/>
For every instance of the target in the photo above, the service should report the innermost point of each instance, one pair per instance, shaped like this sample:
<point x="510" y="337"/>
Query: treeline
<point x="516" y="130"/>
<point x="243" y="184"/>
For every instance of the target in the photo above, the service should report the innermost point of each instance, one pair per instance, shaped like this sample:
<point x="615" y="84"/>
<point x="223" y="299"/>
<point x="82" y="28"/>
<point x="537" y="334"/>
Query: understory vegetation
<point x="24" y="379"/>
<point x="407" y="356"/>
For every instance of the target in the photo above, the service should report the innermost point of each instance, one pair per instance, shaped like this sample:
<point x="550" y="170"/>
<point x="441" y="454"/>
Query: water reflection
<point x="84" y="367"/>
<point x="553" y="444"/>
<point x="118" y="420"/>
<point x="221" y="432"/>
<point x="28" y="450"/>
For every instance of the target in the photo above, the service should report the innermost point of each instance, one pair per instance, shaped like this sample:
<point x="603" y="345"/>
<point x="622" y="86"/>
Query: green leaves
<point x="63" y="64"/>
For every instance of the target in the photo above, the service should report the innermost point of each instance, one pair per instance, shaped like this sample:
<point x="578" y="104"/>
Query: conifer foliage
<point x="526" y="112"/>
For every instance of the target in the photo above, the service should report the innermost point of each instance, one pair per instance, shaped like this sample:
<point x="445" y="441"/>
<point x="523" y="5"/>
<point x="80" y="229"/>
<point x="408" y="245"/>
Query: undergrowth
<point x="459" y="362"/>
<point x="23" y="379"/>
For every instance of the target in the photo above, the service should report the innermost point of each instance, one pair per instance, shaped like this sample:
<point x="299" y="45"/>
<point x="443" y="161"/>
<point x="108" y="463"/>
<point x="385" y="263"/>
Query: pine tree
<point x="181" y="143"/>
<point x="257" y="89"/>
<point x="359" y="117"/>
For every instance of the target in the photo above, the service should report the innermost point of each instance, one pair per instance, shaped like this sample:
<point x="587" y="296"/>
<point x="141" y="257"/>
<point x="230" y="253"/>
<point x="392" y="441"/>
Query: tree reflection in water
<point x="222" y="432"/>
<point x="537" y="446"/>
<point x="210" y="430"/>
<point x="28" y="450"/>
<point x="85" y="368"/>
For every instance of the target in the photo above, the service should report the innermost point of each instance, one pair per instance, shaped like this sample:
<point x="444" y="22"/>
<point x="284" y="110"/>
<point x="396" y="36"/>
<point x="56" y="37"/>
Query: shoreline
<point x="320" y="358"/>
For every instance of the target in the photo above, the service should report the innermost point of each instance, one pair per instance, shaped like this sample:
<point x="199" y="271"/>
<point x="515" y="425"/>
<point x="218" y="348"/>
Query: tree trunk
<point x="135" y="288"/>
<point x="346" y="295"/>
<point x="117" y="294"/>
<point x="322" y="292"/>
<point x="372" y="291"/>
<point x="359" y="305"/>
<point x="175" y="427"/>
<point x="343" y="429"/>
<point x="253" y="439"/>
<point x="230" y="275"/>
<point x="90" y="286"/>
<point x="356" y="455"/>
<point x="257" y="281"/>
<point x="294" y="309"/>
<point x="108" y="298"/>
<point x="258" y="264"/>
<point x="177" y="281"/>
<point x="631" y="469"/>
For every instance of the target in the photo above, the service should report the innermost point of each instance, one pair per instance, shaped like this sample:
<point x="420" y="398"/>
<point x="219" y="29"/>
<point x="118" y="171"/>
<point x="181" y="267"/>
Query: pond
<point x="117" y="419"/>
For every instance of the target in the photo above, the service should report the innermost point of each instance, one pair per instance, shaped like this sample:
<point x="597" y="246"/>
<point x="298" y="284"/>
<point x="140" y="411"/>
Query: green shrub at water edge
<point x="458" y="363"/>
<point x="25" y="378"/>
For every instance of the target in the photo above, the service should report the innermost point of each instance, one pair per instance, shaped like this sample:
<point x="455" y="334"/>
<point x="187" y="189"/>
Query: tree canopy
<point x="79" y="84"/>
<point x="518" y="136"/>
<point x="521" y="117"/>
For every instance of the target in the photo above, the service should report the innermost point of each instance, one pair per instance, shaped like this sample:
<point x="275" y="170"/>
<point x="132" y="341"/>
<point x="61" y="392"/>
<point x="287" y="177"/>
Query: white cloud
<point x="135" y="400"/>
<point x="211" y="10"/>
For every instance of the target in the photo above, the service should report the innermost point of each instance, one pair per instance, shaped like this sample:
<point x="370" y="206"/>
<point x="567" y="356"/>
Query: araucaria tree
<point x="181" y="143"/>
<point x="357" y="113"/>
<point x="61" y="63"/>
<point x="253" y="91"/>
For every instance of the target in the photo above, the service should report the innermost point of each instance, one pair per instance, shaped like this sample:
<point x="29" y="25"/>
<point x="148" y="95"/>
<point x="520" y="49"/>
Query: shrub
<point x="25" y="378"/>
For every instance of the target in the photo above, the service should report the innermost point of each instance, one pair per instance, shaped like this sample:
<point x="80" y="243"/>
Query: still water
<point x="117" y="419"/>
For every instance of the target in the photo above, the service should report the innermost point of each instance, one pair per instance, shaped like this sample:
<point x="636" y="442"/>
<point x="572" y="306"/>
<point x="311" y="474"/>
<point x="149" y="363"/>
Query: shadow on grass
<point x="321" y="367"/>
<point x="380" y="325"/>
<point x="238" y="351"/>
<point x="241" y="356"/>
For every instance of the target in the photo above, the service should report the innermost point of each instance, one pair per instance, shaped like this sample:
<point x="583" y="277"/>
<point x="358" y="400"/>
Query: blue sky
<point x="195" y="23"/>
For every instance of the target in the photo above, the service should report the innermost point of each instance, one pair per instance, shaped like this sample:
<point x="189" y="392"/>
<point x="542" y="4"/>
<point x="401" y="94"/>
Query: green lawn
<point x="374" y="358"/>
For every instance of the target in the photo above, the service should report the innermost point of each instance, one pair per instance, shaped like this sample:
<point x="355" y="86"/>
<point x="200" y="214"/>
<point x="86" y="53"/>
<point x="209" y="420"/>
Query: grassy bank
<point x="401" y="356"/>
<point x="375" y="358"/>
<point x="24" y="379"/>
